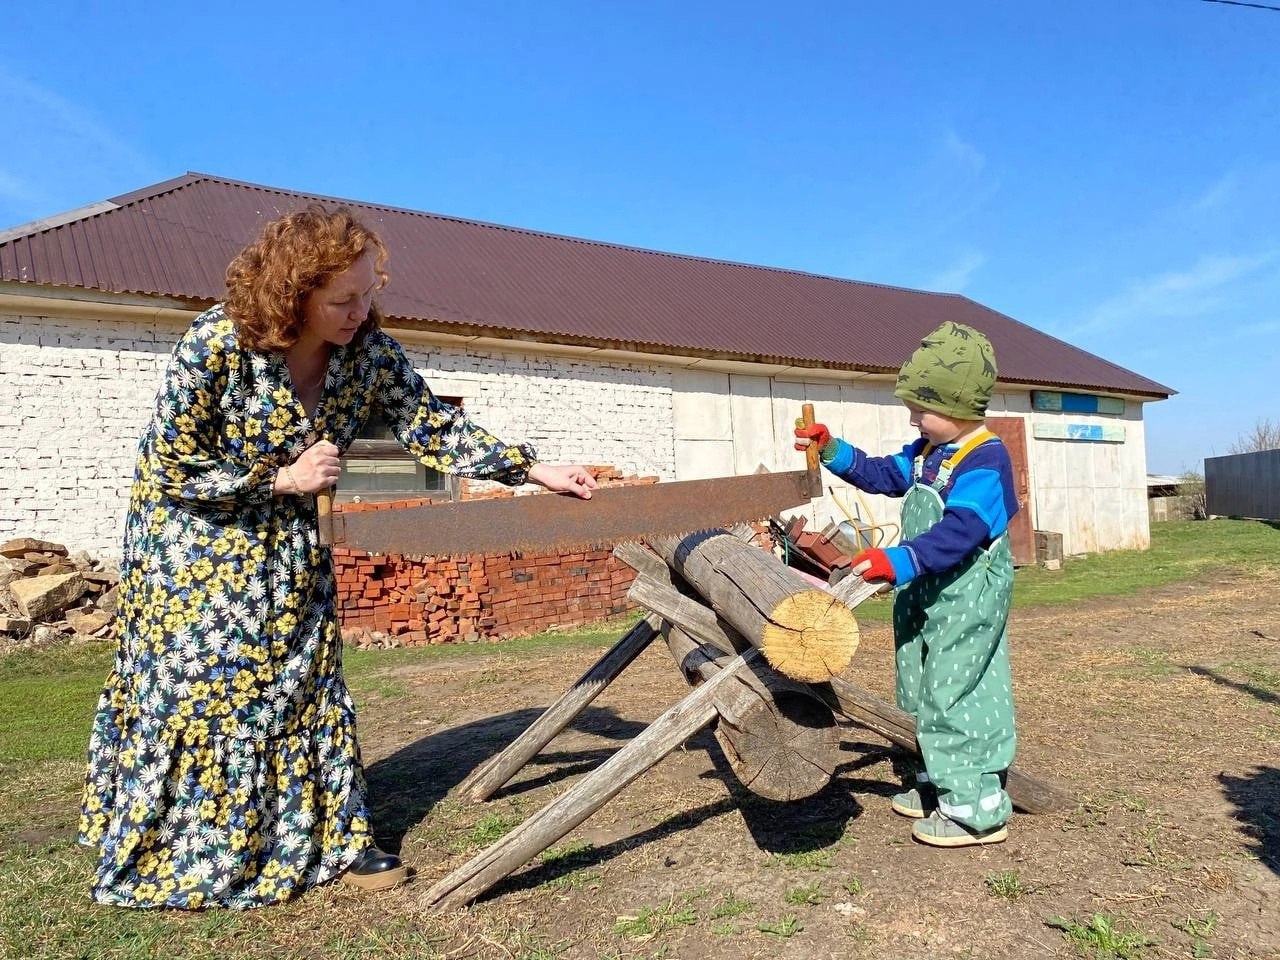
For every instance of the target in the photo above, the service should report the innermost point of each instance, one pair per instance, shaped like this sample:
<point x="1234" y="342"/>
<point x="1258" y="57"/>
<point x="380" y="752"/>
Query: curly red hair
<point x="269" y="281"/>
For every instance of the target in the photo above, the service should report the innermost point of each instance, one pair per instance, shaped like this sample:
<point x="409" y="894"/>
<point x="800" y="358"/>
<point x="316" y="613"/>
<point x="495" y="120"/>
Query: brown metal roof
<point x="175" y="239"/>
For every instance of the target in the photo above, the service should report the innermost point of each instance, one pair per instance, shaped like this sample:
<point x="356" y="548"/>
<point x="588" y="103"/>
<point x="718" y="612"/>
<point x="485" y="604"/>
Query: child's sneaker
<point x="916" y="802"/>
<point x="940" y="831"/>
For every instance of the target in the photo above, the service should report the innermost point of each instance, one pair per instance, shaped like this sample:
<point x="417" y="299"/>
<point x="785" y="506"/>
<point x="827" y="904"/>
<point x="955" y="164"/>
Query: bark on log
<point x="585" y="797"/>
<point x="804" y="633"/>
<point x="779" y="739"/>
<point x="490" y="777"/>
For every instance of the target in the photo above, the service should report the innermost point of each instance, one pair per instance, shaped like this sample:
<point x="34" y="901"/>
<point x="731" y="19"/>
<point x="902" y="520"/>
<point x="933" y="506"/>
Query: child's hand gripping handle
<point x="812" y="464"/>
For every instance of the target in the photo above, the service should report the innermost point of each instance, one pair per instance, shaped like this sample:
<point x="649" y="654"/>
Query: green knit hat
<point x="952" y="373"/>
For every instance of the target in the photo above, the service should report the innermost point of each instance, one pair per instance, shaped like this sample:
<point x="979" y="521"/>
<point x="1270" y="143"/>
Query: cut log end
<point x="785" y="748"/>
<point x="810" y="637"/>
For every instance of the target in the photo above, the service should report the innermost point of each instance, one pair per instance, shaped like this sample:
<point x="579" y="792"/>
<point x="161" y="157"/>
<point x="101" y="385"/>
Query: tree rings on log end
<point x="810" y="636"/>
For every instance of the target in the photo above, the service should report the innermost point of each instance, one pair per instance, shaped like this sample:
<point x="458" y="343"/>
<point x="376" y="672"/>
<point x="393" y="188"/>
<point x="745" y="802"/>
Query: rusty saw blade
<point x="547" y="523"/>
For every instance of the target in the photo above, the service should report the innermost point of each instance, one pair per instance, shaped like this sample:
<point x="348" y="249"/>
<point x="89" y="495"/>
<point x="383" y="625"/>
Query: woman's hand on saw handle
<point x="316" y="469"/>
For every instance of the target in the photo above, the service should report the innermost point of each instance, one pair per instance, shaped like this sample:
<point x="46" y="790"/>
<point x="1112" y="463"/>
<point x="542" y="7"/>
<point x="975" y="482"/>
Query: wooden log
<point x="779" y="739"/>
<point x="585" y="797"/>
<point x="490" y="777"/>
<point x="804" y="633"/>
<point x="692" y="617"/>
<point x="1029" y="794"/>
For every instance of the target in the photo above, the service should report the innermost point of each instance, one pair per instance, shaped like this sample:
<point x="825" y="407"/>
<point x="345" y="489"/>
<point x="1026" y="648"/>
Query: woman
<point x="223" y="765"/>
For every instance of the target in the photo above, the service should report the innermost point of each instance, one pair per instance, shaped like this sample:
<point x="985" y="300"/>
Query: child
<point x="953" y="574"/>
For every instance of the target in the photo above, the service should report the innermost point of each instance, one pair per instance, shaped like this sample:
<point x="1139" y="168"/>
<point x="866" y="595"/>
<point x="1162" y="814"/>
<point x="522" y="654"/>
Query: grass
<point x="1101" y="939"/>
<point x="1006" y="885"/>
<point x="730" y="906"/>
<point x="807" y="895"/>
<point x="47" y="699"/>
<point x="651" y="921"/>
<point x="783" y="928"/>
<point x="806" y="859"/>
<point x="1181" y="551"/>
<point x="1199" y="929"/>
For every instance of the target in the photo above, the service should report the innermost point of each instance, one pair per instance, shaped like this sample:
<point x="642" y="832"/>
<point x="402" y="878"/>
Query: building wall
<point x="75" y="395"/>
<point x="1093" y="493"/>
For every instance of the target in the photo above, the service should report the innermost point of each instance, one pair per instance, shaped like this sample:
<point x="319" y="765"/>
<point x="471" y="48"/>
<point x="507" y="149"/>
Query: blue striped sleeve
<point x="982" y="492"/>
<point x="890" y="476"/>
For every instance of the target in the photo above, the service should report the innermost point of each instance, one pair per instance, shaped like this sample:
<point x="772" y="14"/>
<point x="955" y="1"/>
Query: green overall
<point x="952" y="657"/>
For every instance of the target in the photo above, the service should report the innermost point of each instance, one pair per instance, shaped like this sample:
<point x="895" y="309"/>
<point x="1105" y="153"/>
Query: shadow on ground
<point x="1257" y="692"/>
<point x="404" y="786"/>
<point x="1257" y="801"/>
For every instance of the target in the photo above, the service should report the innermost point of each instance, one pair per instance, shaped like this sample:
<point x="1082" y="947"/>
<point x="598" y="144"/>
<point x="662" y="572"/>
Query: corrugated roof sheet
<point x="175" y="239"/>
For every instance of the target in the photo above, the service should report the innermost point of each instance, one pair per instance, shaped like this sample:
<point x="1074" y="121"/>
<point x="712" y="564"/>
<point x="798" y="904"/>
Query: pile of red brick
<point x="411" y="601"/>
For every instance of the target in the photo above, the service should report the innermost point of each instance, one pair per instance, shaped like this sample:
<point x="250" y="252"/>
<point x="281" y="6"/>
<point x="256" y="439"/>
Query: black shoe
<point x="376" y="869"/>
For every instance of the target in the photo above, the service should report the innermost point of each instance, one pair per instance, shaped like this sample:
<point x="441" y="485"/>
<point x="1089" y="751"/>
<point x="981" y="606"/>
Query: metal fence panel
<point x="1243" y="485"/>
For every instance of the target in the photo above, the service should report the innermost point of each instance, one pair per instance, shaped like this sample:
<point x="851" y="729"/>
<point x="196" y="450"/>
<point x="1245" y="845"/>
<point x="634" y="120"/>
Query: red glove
<point x="815" y="433"/>
<point x="873" y="566"/>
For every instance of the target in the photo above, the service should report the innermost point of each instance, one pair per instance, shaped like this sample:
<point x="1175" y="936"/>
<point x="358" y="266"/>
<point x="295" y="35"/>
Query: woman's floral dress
<point x="223" y="764"/>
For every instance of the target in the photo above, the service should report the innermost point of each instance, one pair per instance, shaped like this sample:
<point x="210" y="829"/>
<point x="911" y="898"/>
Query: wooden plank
<point x="1084" y="432"/>
<point x="585" y="797"/>
<point x="490" y="777"/>
<point x="1076" y="402"/>
<point x="805" y="633"/>
<point x="778" y="737"/>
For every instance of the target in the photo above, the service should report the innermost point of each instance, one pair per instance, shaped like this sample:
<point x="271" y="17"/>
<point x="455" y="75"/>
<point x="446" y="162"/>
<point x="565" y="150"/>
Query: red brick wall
<point x="419" y="600"/>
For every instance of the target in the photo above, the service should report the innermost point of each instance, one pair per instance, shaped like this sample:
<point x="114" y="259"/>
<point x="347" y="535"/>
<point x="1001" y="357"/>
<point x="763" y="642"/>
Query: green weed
<point x="806" y="859"/>
<point x="1199" y="929"/>
<point x="1006" y="884"/>
<point x="651" y="921"/>
<point x="1101" y="939"/>
<point x="787" y="926"/>
<point x="730" y="906"/>
<point x="490" y="828"/>
<point x="810" y="894"/>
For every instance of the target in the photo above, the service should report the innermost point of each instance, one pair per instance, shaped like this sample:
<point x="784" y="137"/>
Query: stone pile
<point x="47" y="595"/>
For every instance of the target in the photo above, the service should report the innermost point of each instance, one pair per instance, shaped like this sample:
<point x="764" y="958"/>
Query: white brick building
<point x="651" y="363"/>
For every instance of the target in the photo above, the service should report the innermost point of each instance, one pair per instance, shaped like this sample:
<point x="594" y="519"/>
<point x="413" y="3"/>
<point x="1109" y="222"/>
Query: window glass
<point x="391" y="472"/>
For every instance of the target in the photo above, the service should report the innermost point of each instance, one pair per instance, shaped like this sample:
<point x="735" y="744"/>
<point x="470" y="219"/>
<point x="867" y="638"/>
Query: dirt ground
<point x="1160" y="715"/>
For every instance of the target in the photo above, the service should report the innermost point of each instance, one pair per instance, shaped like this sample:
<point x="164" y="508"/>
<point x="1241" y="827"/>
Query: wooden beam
<point x="490" y="777"/>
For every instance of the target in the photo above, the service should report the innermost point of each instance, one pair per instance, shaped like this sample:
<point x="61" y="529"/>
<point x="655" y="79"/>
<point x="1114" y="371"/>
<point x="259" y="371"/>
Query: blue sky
<point x="1108" y="172"/>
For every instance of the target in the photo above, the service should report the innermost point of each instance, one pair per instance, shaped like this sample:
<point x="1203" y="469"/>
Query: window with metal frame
<point x="377" y="468"/>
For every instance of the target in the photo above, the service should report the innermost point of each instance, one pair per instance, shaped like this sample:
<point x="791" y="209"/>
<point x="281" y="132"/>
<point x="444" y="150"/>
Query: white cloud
<point x="1192" y="292"/>
<point x="964" y="152"/>
<point x="70" y="157"/>
<point x="1217" y="194"/>
<point x="956" y="277"/>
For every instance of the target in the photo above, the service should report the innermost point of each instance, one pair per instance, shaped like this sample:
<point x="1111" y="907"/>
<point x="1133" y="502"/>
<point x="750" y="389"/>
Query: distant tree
<point x="1264" y="436"/>
<point x="1191" y="491"/>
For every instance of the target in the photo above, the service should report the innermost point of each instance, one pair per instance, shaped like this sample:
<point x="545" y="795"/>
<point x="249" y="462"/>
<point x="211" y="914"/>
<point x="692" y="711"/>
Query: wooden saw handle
<point x="811" y="462"/>
<point x="324" y="516"/>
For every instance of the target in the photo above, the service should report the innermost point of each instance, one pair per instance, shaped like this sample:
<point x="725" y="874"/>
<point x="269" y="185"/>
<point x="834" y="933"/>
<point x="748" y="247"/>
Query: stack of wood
<point x="47" y="595"/>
